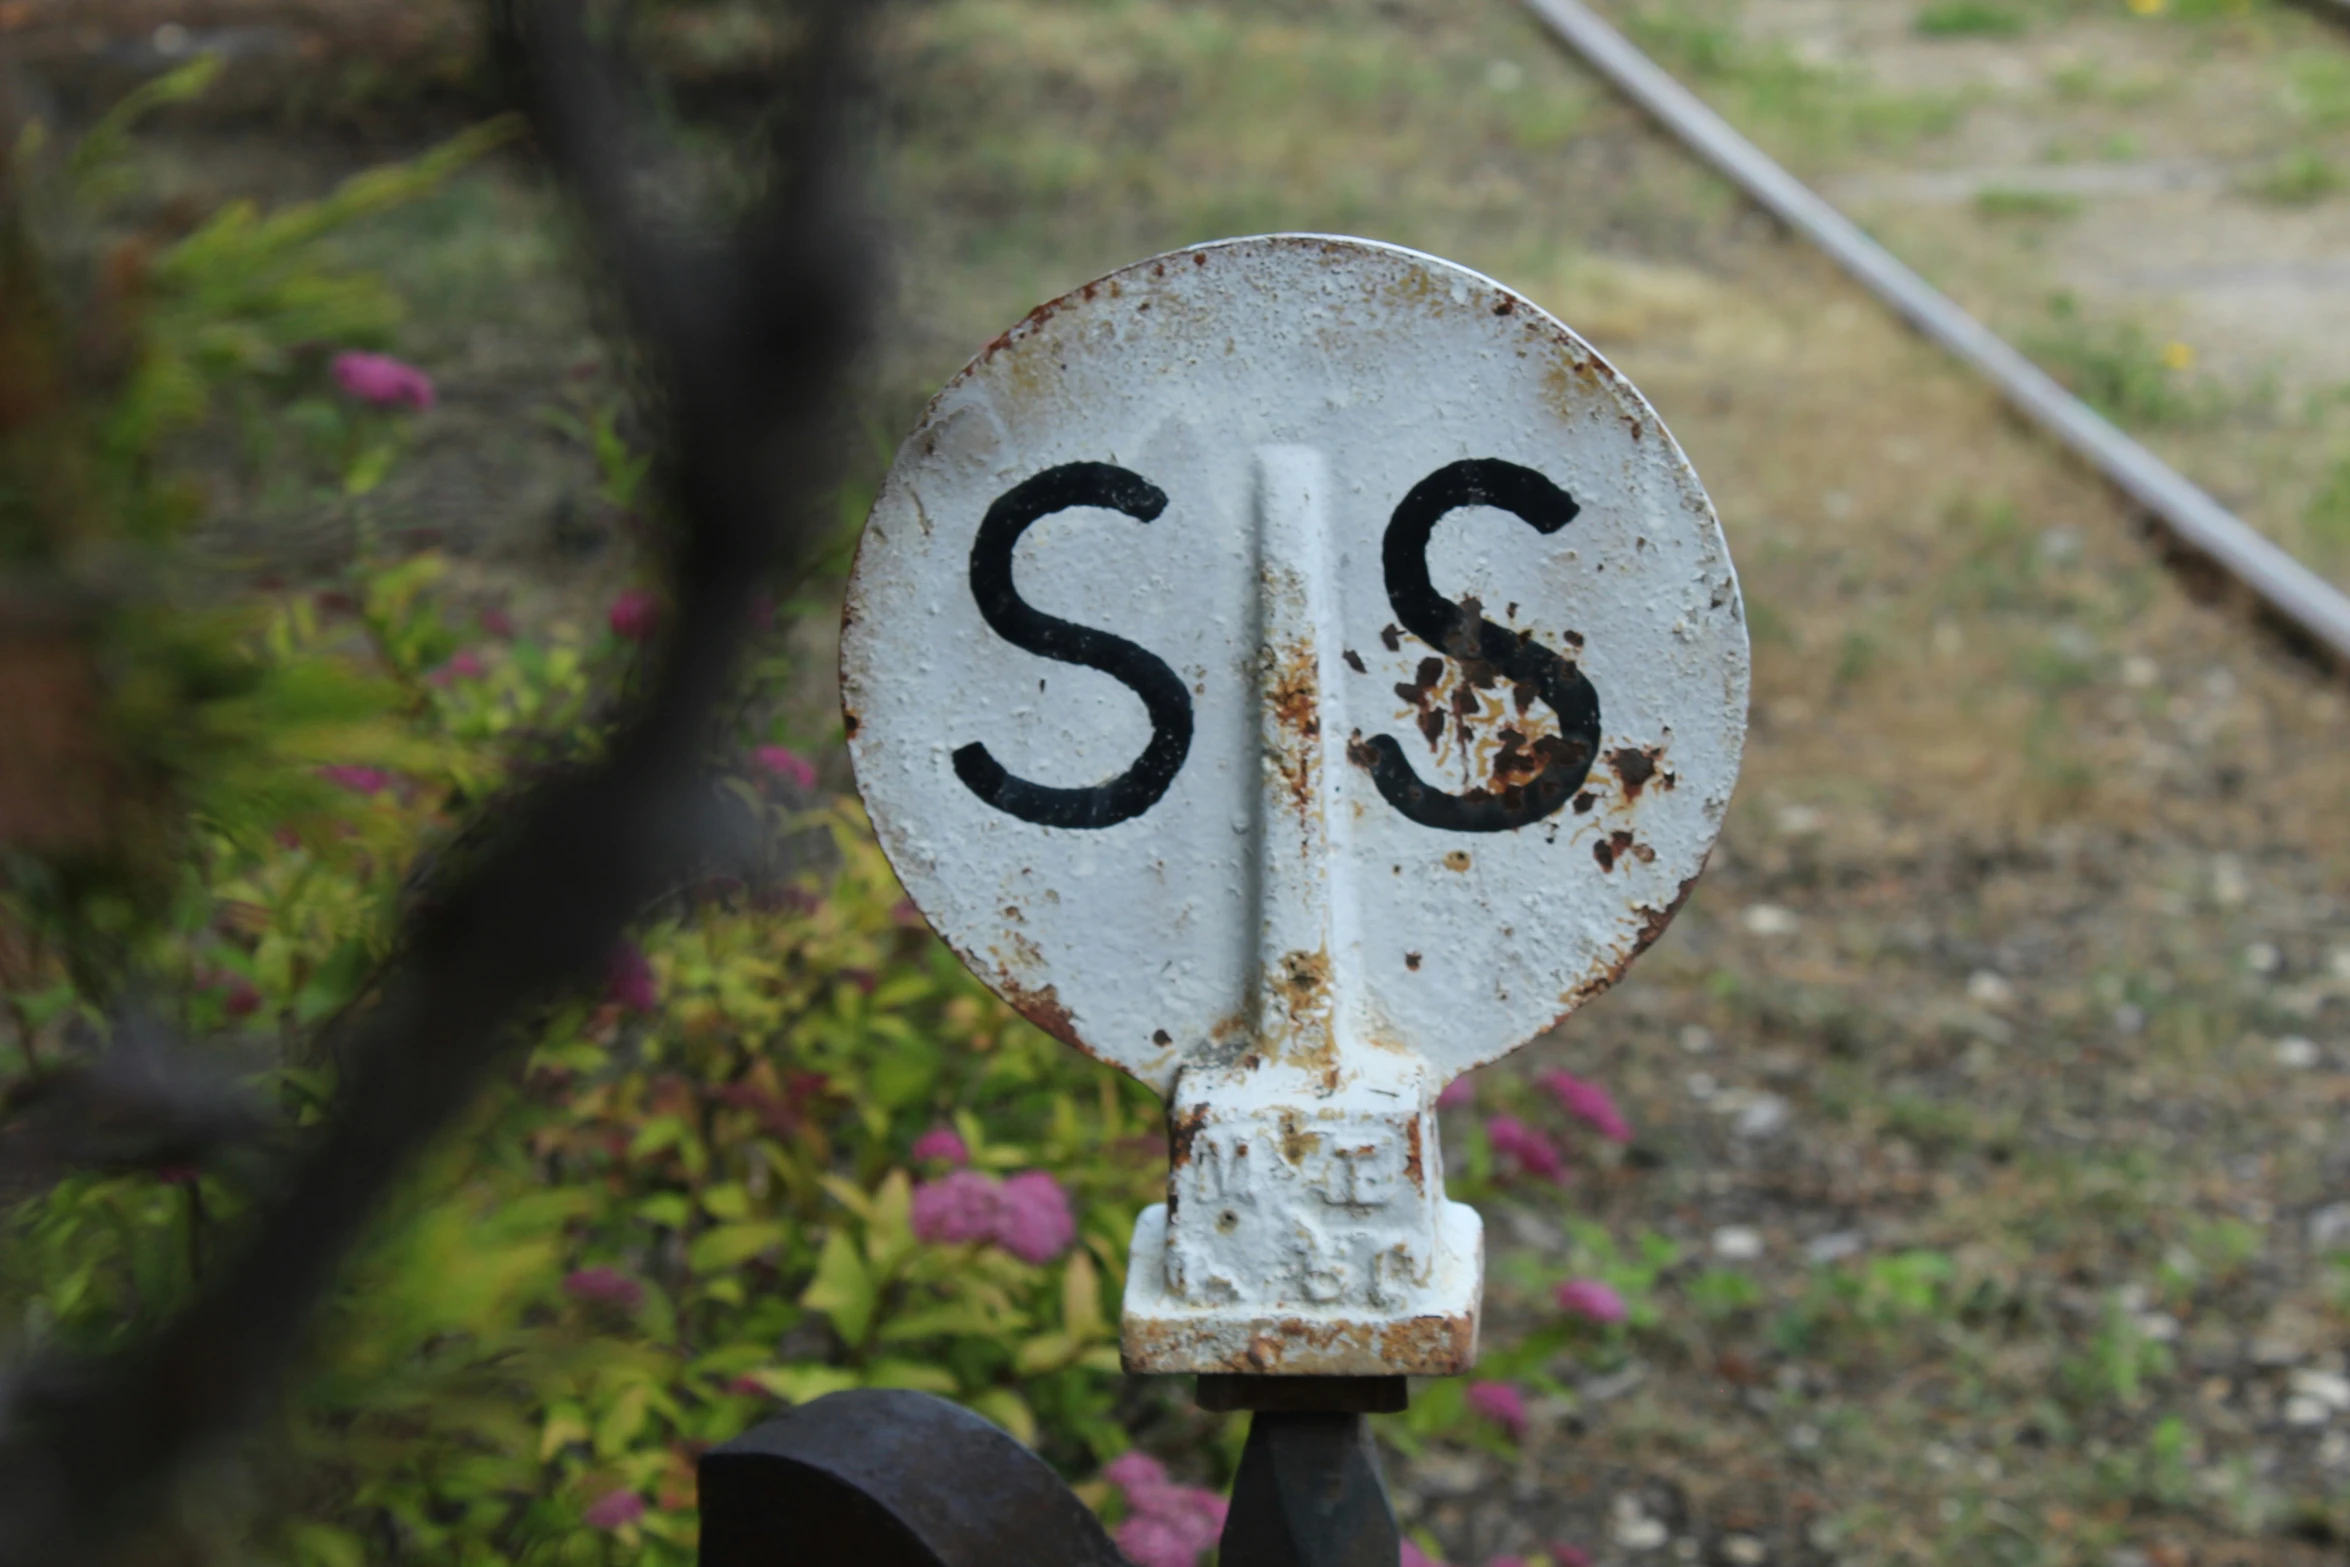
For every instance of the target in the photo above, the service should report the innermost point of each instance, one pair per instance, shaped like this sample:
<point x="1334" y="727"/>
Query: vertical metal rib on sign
<point x="1303" y="910"/>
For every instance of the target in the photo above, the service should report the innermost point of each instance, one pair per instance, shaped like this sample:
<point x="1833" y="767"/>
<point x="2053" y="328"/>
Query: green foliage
<point x="672" y="1220"/>
<point x="2116" y="1363"/>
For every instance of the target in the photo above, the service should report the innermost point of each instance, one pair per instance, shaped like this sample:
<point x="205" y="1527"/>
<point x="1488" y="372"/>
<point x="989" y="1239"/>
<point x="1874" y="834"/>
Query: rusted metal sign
<point x="1296" y="670"/>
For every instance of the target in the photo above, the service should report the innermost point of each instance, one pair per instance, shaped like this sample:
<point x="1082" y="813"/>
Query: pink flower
<point x="635" y="615"/>
<point x="615" y="1508"/>
<point x="497" y="623"/>
<point x="941" y="1145"/>
<point x="1027" y="1215"/>
<point x="1134" y="1470"/>
<point x="604" y="1287"/>
<point x="1167" y="1525"/>
<point x="1457" y="1092"/>
<point x="1589" y="1103"/>
<point x="242" y="999"/>
<point x="359" y="780"/>
<point x="956" y="1208"/>
<point x="1500" y="1403"/>
<point x="1034" y="1223"/>
<point x="383" y="381"/>
<point x="786" y="766"/>
<point x="1590" y="1300"/>
<point x="1152" y="1541"/>
<point x="628" y="979"/>
<point x="1528" y="1148"/>
<point x="465" y="666"/>
<point x="1413" y="1556"/>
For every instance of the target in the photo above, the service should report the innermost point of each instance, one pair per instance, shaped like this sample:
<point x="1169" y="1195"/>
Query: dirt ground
<point x="1993" y="1091"/>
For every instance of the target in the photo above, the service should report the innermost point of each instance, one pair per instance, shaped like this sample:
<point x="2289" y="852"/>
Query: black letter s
<point x="1471" y="639"/>
<point x="1138" y="788"/>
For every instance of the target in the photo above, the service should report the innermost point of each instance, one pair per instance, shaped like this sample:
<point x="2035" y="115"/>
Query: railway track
<point x="2302" y="600"/>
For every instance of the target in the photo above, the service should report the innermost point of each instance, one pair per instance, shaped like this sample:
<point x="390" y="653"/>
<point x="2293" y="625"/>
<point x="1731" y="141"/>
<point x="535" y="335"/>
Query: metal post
<point x="1309" y="1492"/>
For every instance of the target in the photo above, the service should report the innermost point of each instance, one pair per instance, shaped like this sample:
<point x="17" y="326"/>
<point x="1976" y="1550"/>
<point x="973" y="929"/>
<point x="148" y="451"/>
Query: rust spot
<point x="1571" y="638"/>
<point x="1012" y="912"/>
<point x="1457" y="860"/>
<point x="850" y="722"/>
<point x="1633" y="425"/>
<point x="1043" y="1008"/>
<point x="1607" y="849"/>
<point x="1504" y="307"/>
<point x="1415" y="1169"/>
<point x="1411" y="960"/>
<point x="1305" y="978"/>
<point x="1391" y="637"/>
<point x="1199" y="258"/>
<point x="1161" y="1038"/>
<point x="1359" y="752"/>
<point x="1432" y="725"/>
<point x="1297" y="1143"/>
<point x="1294" y="693"/>
<point x="1654" y="921"/>
<point x="1633" y="767"/>
<point x="1354" y="660"/>
<point x="1584" y="802"/>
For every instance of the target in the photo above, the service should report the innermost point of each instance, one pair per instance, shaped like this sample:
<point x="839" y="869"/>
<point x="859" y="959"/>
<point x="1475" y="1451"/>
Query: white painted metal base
<point x="1433" y="1334"/>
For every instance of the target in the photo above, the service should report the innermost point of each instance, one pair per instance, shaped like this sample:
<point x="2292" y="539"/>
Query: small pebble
<point x="1697" y="1040"/>
<point x="1764" y="1115"/>
<point x="2326" y="1387"/>
<point x="1835" y="1246"/>
<point x="2306" y="1412"/>
<point x="1768" y="919"/>
<point x="1738" y="1242"/>
<point x="2296" y="1053"/>
<point x="1987" y="989"/>
<point x="2263" y="958"/>
<point x="1632" y="1528"/>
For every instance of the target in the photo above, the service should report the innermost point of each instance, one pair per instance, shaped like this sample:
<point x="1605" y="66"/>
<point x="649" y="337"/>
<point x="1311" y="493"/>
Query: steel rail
<point x="2287" y="587"/>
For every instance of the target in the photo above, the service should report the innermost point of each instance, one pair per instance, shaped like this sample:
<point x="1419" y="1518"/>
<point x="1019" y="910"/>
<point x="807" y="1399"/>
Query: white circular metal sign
<point x="1294" y="648"/>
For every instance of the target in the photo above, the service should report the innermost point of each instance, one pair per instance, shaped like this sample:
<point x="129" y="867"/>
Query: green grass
<point x="2328" y="517"/>
<point x="1822" y="111"/>
<point x="1971" y="19"/>
<point x="2300" y="177"/>
<point x="1999" y="203"/>
<point x="2116" y="367"/>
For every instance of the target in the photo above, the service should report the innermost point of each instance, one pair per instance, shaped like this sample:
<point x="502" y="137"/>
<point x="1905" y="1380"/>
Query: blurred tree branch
<point x="747" y="338"/>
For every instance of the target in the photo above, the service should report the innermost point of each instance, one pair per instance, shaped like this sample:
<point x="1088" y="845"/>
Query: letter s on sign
<point x="1011" y="617"/>
<point x="1485" y="651"/>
